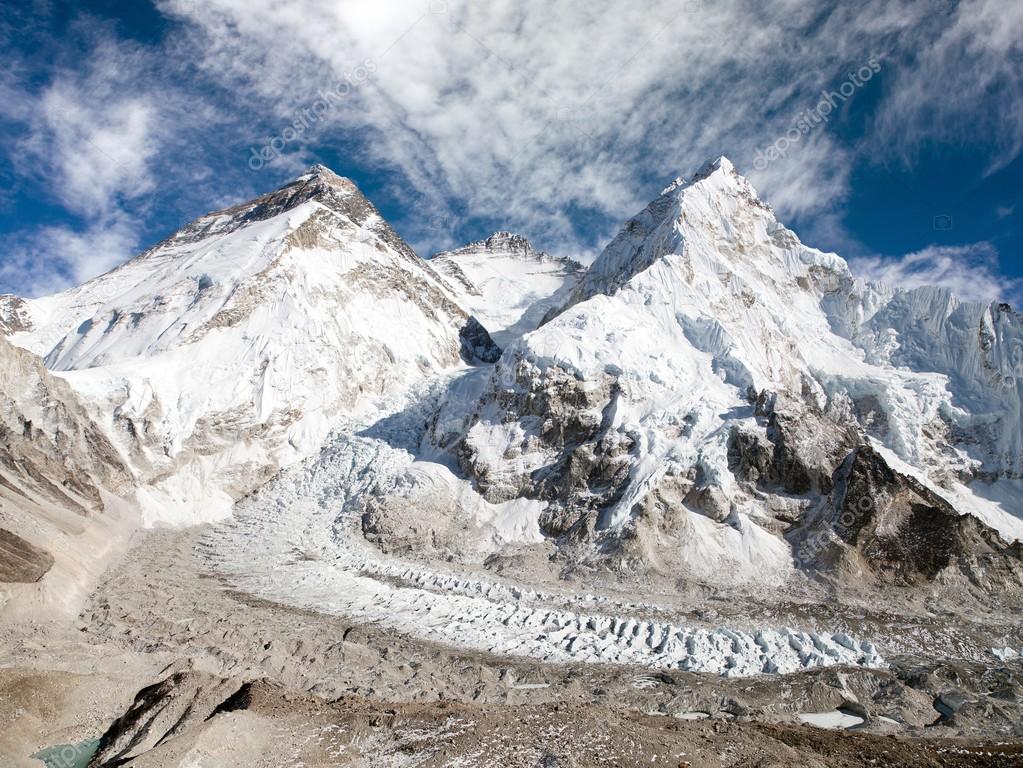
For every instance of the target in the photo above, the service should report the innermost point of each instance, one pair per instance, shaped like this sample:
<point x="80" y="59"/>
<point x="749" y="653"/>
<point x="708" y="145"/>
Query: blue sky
<point x="124" y="120"/>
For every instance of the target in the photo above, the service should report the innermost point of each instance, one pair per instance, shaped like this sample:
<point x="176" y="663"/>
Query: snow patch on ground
<point x="837" y="719"/>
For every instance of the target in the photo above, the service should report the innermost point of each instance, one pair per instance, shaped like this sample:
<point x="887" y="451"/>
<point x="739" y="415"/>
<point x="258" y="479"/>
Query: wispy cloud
<point x="52" y="258"/>
<point x="558" y="120"/>
<point x="944" y="85"/>
<point x="530" y="111"/>
<point x="101" y="136"/>
<point x="971" y="272"/>
<point x="92" y="132"/>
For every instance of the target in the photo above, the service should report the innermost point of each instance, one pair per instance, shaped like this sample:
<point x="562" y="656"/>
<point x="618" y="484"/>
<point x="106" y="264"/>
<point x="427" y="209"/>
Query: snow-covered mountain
<point x="507" y="284"/>
<point x="710" y="397"/>
<point x="706" y="398"/>
<point x="710" y="406"/>
<point x="228" y="350"/>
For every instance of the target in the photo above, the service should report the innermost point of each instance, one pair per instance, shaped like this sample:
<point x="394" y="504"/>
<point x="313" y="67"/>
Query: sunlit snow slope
<point x="507" y="284"/>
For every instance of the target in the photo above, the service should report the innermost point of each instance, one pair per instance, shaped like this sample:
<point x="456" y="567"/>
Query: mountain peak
<point x="317" y="184"/>
<point x="499" y="243"/>
<point x="507" y="241"/>
<point x="719" y="165"/>
<point x="711" y="200"/>
<point x="320" y="171"/>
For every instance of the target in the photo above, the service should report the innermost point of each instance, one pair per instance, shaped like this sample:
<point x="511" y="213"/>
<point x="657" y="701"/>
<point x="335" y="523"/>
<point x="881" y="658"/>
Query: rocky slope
<point x="226" y="351"/>
<point x="62" y="483"/>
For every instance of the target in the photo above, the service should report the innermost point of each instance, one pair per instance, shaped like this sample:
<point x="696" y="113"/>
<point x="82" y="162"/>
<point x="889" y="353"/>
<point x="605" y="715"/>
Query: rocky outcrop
<point x="175" y="705"/>
<point x="584" y="464"/>
<point x="66" y="496"/>
<point x="20" y="561"/>
<point x="800" y="447"/>
<point x="14" y="315"/>
<point x="50" y="448"/>
<point x="893" y="530"/>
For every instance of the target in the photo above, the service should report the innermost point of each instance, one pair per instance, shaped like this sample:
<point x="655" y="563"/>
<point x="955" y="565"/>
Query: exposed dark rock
<point x="891" y="527"/>
<point x="21" y="561"/>
<point x="802" y="449"/>
<point x="162" y="711"/>
<point x="13" y="315"/>
<point x="477" y="346"/>
<point x="570" y="421"/>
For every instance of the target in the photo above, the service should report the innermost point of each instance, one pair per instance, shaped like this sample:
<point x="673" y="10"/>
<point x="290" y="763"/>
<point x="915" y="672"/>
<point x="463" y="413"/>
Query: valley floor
<point x="254" y="683"/>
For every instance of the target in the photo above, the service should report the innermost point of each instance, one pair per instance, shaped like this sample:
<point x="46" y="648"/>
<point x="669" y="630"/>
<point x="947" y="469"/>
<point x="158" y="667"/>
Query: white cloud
<point x="522" y="110"/>
<point x="53" y="258"/>
<point x="963" y="84"/>
<point x="970" y="271"/>
<point x="558" y="120"/>
<point x="98" y="136"/>
<point x="93" y="131"/>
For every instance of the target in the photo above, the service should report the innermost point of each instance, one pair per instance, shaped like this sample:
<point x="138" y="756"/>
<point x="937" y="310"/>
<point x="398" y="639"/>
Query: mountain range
<point x="710" y="402"/>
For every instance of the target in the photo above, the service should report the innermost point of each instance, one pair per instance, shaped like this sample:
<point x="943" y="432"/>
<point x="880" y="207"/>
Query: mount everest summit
<point x="711" y="405"/>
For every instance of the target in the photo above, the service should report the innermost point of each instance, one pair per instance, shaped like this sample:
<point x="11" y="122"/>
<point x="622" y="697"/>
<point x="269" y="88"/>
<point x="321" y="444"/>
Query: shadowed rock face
<point x="21" y="562"/>
<point x="161" y="711"/>
<point x="900" y="532"/>
<point x="476" y="344"/>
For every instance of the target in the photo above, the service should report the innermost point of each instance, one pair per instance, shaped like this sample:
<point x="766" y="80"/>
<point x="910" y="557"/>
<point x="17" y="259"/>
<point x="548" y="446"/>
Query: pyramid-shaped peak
<point x="720" y="166"/>
<point x="320" y="171"/>
<point x="720" y="163"/>
<point x="319" y="185"/>
<point x="508" y="241"/>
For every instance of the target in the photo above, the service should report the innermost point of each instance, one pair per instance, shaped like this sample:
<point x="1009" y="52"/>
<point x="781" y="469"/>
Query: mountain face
<point x="685" y="457"/>
<point x="226" y="351"/>
<point x="711" y="393"/>
<point x="507" y="284"/>
<point x="51" y="452"/>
